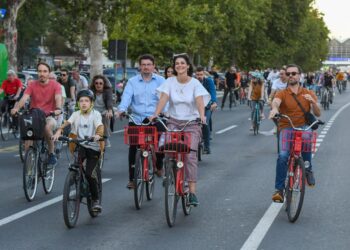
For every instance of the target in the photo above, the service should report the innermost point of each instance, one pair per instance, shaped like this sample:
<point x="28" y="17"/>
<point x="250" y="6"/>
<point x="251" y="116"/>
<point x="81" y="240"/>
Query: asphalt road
<point x="235" y="186"/>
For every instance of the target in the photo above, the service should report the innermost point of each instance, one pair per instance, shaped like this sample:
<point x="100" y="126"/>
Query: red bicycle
<point x="146" y="138"/>
<point x="175" y="144"/>
<point x="296" y="141"/>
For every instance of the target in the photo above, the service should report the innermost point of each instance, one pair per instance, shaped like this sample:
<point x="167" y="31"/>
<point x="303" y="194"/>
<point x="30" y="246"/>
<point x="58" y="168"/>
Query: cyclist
<point x="187" y="100"/>
<point x="329" y="82"/>
<point x="81" y="82"/>
<point x="140" y="95"/>
<point x="46" y="95"/>
<point x="230" y="81"/>
<point x="284" y="102"/>
<point x="12" y="88"/>
<point x="87" y="123"/>
<point x="209" y="85"/>
<point x="256" y="94"/>
<point x="278" y="84"/>
<point x="69" y="85"/>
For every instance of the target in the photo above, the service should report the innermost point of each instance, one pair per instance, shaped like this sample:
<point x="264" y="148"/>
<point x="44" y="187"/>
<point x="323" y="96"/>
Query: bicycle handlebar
<point x="160" y="119"/>
<point x="279" y="116"/>
<point x="79" y="141"/>
<point x="131" y="117"/>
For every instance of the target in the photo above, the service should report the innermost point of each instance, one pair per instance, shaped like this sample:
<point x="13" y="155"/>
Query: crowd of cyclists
<point x="183" y="94"/>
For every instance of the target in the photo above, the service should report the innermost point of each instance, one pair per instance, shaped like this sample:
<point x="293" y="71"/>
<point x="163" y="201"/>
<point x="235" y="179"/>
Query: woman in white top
<point x="187" y="99"/>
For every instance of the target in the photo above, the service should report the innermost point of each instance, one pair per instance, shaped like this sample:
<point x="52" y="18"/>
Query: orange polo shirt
<point x="291" y="108"/>
<point x="256" y="91"/>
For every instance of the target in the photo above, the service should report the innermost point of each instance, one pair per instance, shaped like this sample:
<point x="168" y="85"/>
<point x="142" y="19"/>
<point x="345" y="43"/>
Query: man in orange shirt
<point x="285" y="103"/>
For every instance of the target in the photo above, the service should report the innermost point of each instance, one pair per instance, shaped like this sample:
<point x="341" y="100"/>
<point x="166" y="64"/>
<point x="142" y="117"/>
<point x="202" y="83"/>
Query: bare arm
<point x="262" y="91"/>
<point x="275" y="106"/>
<point x="72" y="92"/>
<point x="200" y="107"/>
<point x="20" y="104"/>
<point x="250" y="90"/>
<point x="161" y="104"/>
<point x="58" y="100"/>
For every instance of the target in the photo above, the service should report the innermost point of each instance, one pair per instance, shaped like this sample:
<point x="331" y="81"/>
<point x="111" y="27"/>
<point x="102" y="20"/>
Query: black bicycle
<point x="76" y="186"/>
<point x="8" y="123"/>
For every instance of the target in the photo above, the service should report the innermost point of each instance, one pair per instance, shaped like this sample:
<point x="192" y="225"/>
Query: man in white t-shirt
<point x="278" y="84"/>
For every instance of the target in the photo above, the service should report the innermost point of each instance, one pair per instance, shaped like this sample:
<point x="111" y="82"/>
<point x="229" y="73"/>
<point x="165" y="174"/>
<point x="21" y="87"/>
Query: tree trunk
<point x="96" y="38"/>
<point x="11" y="31"/>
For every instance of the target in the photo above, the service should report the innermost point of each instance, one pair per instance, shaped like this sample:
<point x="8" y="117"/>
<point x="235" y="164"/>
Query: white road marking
<point x="259" y="232"/>
<point x="35" y="208"/>
<point x="321" y="136"/>
<point x="225" y="129"/>
<point x="268" y="133"/>
<point x="118" y="131"/>
<point x="319" y="140"/>
<point x="318" y="144"/>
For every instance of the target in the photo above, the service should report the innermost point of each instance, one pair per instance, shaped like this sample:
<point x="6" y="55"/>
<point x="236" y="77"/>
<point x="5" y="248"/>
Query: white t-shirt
<point x="85" y="126"/>
<point x="273" y="76"/>
<point x="182" y="98"/>
<point x="278" y="84"/>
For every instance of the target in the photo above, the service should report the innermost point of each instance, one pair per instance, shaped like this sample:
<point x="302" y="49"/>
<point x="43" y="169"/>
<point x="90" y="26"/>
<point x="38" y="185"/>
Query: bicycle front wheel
<point x="295" y="189"/>
<point x="47" y="175"/>
<point x="171" y="197"/>
<point x="5" y="126"/>
<point x="30" y="174"/>
<point x="71" y="199"/>
<point x="151" y="178"/>
<point x="256" y="123"/>
<point x="138" y="180"/>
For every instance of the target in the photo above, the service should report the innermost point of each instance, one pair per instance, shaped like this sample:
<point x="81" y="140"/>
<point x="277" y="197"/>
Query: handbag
<point x="32" y="125"/>
<point x="309" y="117"/>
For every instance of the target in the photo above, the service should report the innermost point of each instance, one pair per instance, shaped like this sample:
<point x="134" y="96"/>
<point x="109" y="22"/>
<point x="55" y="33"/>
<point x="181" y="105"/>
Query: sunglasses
<point x="291" y="73"/>
<point x="98" y="83"/>
<point x="63" y="74"/>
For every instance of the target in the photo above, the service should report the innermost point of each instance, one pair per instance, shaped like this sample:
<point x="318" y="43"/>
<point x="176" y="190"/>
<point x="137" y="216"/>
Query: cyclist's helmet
<point x="86" y="93"/>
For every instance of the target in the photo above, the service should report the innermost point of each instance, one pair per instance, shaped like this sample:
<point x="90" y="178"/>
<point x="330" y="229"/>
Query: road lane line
<point x="118" y="131"/>
<point x="225" y="129"/>
<point x="321" y="136"/>
<point x="256" y="237"/>
<point x="35" y="208"/>
<point x="263" y="226"/>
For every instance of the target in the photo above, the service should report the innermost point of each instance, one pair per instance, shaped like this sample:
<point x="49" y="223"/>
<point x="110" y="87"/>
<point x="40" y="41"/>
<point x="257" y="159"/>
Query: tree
<point x="10" y="29"/>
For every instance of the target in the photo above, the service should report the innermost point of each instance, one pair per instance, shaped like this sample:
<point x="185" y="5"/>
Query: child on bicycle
<point x="87" y="123"/>
<point x="256" y="94"/>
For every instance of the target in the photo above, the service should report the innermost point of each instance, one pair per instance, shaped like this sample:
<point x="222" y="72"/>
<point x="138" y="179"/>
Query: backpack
<point x="32" y="124"/>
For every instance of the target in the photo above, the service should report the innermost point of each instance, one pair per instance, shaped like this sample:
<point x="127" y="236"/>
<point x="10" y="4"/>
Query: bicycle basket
<point x="303" y="141"/>
<point x="175" y="142"/>
<point x="140" y="135"/>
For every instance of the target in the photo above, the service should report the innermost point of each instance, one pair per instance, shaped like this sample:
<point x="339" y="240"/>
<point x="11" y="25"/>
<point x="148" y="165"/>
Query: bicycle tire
<point x="101" y="161"/>
<point x="21" y="150"/>
<point x="256" y="117"/>
<point x="138" y="180"/>
<point x="5" y="135"/>
<point x="171" y="198"/>
<point x="151" y="178"/>
<point x="93" y="213"/>
<point x="47" y="175"/>
<point x="30" y="174"/>
<point x="186" y="207"/>
<point x="71" y="198"/>
<point x="295" y="195"/>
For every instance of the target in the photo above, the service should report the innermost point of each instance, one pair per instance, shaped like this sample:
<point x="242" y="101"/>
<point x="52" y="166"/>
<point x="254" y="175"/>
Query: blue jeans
<point x="282" y="162"/>
<point x="206" y="129"/>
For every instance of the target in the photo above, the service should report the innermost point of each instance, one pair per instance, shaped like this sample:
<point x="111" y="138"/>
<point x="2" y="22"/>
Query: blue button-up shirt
<point x="141" y="96"/>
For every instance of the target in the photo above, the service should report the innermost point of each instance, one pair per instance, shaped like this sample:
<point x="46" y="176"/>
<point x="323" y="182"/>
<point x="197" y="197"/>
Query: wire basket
<point x="140" y="135"/>
<point x="303" y="141"/>
<point x="175" y="142"/>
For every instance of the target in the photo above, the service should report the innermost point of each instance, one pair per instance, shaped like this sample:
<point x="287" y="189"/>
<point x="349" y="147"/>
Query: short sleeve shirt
<point x="256" y="92"/>
<point x="43" y="95"/>
<point x="11" y="88"/>
<point x="182" y="98"/>
<point x="278" y="85"/>
<point x="230" y="79"/>
<point x="291" y="108"/>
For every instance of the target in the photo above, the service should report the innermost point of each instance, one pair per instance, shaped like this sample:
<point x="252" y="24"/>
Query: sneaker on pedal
<point x="52" y="159"/>
<point x="278" y="196"/>
<point x="310" y="179"/>
<point x="96" y="206"/>
<point x="193" y="201"/>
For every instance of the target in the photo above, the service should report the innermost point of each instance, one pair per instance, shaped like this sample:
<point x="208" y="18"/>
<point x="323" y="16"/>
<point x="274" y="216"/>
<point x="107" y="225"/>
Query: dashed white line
<point x="225" y="129"/>
<point x="33" y="209"/>
<point x="118" y="131"/>
<point x="259" y="232"/>
<point x="322" y="136"/>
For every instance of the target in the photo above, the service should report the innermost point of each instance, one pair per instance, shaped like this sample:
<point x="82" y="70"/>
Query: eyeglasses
<point x="291" y="73"/>
<point x="98" y="83"/>
<point x="63" y="74"/>
<point x="170" y="71"/>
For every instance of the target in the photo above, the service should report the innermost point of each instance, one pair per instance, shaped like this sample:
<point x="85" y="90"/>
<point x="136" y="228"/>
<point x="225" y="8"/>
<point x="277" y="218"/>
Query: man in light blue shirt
<point x="141" y="96"/>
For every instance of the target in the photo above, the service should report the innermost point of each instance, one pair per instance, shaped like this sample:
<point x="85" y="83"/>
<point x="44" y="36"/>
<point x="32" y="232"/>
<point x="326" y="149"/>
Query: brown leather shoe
<point x="130" y="185"/>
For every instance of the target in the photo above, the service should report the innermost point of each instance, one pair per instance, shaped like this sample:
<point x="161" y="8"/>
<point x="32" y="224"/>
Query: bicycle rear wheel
<point x="30" y="174"/>
<point x="93" y="213"/>
<point x="47" y="175"/>
<point x="171" y="197"/>
<point x="295" y="190"/>
<point x="151" y="179"/>
<point x="71" y="198"/>
<point x="5" y="126"/>
<point x="138" y="180"/>
<point x="21" y="150"/>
